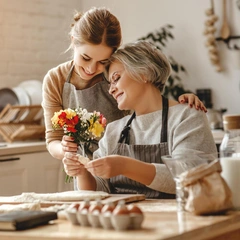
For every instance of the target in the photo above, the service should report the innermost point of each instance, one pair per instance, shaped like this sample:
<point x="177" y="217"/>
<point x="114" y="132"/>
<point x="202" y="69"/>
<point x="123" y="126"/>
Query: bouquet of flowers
<point x="85" y="127"/>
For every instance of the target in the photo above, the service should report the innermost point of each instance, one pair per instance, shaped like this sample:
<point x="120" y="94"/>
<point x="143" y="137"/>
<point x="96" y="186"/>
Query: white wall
<point x="34" y="34"/>
<point x="33" y="37"/>
<point x="139" y="17"/>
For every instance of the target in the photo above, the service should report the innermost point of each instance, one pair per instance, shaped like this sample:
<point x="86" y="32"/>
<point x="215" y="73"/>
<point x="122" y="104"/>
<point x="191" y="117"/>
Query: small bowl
<point x="120" y="222"/>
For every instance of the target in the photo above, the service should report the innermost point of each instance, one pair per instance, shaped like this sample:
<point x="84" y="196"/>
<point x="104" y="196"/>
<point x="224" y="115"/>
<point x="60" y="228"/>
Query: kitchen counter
<point x="22" y="147"/>
<point x="161" y="222"/>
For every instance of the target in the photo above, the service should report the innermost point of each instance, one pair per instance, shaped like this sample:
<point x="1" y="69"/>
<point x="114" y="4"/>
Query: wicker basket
<point x="21" y="123"/>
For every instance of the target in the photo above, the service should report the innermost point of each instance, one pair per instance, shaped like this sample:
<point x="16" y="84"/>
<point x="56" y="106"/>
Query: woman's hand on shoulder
<point x="192" y="99"/>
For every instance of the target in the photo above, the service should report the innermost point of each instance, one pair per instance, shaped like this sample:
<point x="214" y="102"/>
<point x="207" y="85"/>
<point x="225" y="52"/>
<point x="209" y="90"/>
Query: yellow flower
<point x="97" y="129"/>
<point x="70" y="113"/>
<point x="82" y="125"/>
<point x="55" y="118"/>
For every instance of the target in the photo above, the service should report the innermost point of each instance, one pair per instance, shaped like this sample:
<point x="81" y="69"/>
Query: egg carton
<point x="120" y="217"/>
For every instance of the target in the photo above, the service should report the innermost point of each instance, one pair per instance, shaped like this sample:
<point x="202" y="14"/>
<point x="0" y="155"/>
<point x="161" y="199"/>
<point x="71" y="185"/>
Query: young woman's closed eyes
<point x="103" y="62"/>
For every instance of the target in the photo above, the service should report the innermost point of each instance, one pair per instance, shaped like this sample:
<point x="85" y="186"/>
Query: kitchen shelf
<point x="21" y="123"/>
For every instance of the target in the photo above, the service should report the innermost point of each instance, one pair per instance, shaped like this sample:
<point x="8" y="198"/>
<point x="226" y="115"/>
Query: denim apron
<point x="145" y="153"/>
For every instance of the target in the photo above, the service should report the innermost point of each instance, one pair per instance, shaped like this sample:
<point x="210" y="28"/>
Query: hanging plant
<point x="173" y="86"/>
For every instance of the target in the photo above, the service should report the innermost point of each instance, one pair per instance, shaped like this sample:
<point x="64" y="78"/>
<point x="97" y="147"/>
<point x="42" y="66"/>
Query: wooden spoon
<point x="225" y="30"/>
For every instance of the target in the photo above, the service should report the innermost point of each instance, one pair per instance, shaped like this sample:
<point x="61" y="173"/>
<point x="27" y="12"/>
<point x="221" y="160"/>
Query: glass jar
<point x="230" y="156"/>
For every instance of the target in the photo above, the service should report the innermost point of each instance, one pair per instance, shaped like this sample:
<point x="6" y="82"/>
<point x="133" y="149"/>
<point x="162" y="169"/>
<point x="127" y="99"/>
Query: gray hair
<point x="143" y="62"/>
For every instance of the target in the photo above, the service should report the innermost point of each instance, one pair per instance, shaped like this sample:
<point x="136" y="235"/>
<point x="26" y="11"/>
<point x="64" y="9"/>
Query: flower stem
<point x="68" y="179"/>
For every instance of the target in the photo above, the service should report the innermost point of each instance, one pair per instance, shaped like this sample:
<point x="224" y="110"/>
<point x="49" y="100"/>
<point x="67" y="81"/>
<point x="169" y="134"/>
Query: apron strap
<point x="70" y="74"/>
<point x="124" y="136"/>
<point x="164" y="120"/>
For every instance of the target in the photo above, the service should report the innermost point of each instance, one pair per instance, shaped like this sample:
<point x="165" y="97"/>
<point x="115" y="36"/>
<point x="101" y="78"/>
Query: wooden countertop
<point x="161" y="222"/>
<point x="22" y="147"/>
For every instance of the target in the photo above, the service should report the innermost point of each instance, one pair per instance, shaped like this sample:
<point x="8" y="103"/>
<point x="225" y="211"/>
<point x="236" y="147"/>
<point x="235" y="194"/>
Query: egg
<point x="84" y="206"/>
<point x="120" y="209"/>
<point x="134" y="209"/>
<point x="136" y="217"/>
<point x="74" y="207"/>
<point x="95" y="208"/>
<point x="94" y="213"/>
<point x="71" y="213"/>
<point x="105" y="216"/>
<point x="109" y="207"/>
<point x="120" y="217"/>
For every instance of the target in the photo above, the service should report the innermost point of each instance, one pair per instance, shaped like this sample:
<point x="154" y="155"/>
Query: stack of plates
<point x="34" y="90"/>
<point x="26" y="93"/>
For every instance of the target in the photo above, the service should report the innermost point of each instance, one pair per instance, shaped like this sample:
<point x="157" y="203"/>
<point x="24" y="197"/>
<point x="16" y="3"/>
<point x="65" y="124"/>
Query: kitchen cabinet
<point x="35" y="171"/>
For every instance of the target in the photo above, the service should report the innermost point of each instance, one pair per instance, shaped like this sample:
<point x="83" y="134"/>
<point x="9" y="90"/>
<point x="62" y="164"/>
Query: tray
<point x="21" y="123"/>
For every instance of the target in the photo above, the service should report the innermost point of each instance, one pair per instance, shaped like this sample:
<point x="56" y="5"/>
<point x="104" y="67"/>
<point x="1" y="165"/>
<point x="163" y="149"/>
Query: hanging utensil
<point x="225" y="30"/>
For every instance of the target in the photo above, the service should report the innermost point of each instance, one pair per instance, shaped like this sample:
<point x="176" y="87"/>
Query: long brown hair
<point x="96" y="26"/>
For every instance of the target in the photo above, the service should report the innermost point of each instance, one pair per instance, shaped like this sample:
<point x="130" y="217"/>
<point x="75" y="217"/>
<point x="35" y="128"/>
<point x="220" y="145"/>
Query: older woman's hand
<point x="106" y="167"/>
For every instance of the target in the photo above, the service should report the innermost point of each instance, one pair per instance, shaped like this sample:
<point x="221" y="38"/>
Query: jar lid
<point x="231" y="122"/>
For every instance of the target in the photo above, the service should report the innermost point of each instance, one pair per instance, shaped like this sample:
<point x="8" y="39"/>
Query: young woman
<point x="129" y="156"/>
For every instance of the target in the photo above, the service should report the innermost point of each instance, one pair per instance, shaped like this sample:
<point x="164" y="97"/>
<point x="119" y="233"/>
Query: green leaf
<point x="170" y="35"/>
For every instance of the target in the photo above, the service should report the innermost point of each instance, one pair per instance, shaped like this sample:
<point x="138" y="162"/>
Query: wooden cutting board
<point x="128" y="198"/>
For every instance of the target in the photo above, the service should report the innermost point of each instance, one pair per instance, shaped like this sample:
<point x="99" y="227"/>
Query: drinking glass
<point x="180" y="163"/>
